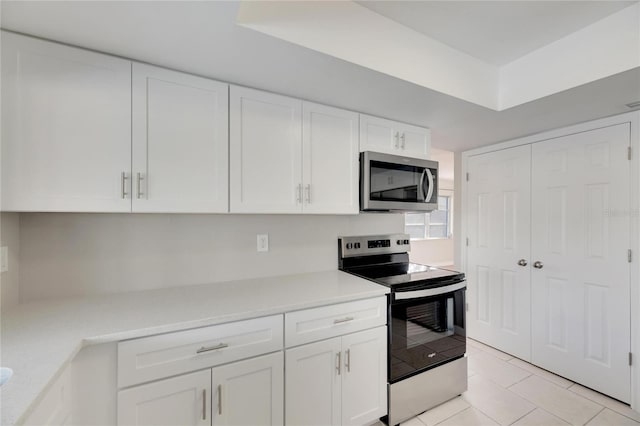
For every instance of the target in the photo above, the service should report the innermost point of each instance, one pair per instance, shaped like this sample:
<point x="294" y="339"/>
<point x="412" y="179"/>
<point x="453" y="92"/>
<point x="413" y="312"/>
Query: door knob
<point x="537" y="264"/>
<point x="522" y="262"/>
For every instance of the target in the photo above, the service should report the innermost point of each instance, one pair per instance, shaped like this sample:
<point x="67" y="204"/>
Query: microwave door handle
<point x="429" y="193"/>
<point x="422" y="176"/>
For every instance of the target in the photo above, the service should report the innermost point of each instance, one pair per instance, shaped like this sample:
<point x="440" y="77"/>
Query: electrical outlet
<point x="4" y="259"/>
<point x="263" y="242"/>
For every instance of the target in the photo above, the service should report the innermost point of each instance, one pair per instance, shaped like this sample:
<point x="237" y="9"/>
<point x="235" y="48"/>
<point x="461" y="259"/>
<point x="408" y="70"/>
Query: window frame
<point x="427" y="220"/>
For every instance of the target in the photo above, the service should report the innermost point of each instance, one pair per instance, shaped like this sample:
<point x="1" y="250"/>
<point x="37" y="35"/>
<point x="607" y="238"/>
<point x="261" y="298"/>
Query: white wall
<point x="433" y="252"/>
<point x="82" y="254"/>
<point x="10" y="237"/>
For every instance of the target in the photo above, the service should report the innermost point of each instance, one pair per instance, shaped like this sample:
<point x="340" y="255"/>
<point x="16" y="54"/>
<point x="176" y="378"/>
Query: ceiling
<point x="496" y="32"/>
<point x="203" y="38"/>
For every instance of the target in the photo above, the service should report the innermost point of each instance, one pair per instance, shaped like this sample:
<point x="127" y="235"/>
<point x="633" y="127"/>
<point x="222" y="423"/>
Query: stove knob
<point x="399" y="242"/>
<point x="348" y="246"/>
<point x="406" y="241"/>
<point x="357" y="245"/>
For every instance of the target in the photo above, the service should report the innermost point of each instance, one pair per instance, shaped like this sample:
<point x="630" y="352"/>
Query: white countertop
<point x="39" y="339"/>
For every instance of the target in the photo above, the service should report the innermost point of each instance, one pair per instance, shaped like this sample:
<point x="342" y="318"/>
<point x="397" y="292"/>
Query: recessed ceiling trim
<point x="351" y="32"/>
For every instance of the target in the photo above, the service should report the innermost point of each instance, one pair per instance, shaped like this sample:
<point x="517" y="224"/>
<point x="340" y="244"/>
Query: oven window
<point x="425" y="333"/>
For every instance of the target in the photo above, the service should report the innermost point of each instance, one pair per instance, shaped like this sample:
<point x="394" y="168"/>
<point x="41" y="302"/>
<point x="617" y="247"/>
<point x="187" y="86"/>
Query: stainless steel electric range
<point x="426" y="321"/>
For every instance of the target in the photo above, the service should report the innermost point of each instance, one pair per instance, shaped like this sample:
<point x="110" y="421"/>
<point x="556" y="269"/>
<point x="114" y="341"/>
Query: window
<point x="432" y="225"/>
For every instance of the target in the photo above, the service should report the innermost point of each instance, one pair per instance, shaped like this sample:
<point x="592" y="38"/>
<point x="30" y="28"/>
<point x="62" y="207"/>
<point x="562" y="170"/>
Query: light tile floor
<point x="504" y="390"/>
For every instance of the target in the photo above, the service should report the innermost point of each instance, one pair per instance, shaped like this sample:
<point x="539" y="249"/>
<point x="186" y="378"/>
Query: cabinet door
<point x="330" y="160"/>
<point x="180" y="142"/>
<point x="581" y="228"/>
<point x="182" y="400"/>
<point x="265" y="152"/>
<point x="499" y="230"/>
<point x="250" y="392"/>
<point x="364" y="379"/>
<point x="55" y="408"/>
<point x="414" y="141"/>
<point x="313" y="388"/>
<point x="378" y="134"/>
<point x="66" y="134"/>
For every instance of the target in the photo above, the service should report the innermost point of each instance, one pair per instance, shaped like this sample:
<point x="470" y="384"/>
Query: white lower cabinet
<point x="54" y="409"/>
<point x="248" y="392"/>
<point x="183" y="400"/>
<point x="338" y="381"/>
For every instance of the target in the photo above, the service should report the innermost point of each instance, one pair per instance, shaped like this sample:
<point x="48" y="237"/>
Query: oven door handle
<point x="403" y="295"/>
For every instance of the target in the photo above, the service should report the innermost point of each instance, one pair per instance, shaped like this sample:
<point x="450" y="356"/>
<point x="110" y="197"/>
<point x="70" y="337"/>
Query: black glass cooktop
<point x="407" y="276"/>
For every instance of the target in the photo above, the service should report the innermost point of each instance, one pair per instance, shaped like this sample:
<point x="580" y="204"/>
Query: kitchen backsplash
<point x="66" y="254"/>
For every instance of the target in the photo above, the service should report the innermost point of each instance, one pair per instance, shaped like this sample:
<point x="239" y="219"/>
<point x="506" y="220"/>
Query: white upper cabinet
<point x="265" y="152"/>
<point x="330" y="159"/>
<point x="290" y="156"/>
<point x="391" y="137"/>
<point x="180" y="142"/>
<point x="66" y="133"/>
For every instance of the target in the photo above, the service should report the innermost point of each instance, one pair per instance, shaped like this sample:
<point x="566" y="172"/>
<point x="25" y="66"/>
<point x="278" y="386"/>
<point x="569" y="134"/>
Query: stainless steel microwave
<point x="395" y="183"/>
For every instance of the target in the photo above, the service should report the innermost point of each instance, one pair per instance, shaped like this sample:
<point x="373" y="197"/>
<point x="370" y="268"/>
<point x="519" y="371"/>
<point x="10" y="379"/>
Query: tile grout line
<point x="596" y="415"/>
<point x="535" y="407"/>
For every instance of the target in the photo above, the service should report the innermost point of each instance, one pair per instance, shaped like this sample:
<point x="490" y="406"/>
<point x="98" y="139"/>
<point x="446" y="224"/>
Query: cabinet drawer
<point x="155" y="357"/>
<point x="329" y="321"/>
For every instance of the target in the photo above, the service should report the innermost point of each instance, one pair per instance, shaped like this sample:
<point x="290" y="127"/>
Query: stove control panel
<point x="373" y="244"/>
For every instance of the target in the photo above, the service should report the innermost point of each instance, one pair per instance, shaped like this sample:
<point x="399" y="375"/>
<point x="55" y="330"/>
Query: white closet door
<point x="580" y="224"/>
<point x="499" y="237"/>
<point x="330" y="160"/>
<point x="265" y="152"/>
<point x="180" y="142"/>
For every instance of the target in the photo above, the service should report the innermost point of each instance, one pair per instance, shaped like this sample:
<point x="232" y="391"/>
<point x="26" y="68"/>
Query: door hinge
<point x="467" y="176"/>
<point x="467" y="241"/>
<point x="630" y="358"/>
<point x="629" y="255"/>
<point x="628" y="153"/>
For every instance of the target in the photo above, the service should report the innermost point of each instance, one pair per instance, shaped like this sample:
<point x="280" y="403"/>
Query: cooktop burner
<point x="384" y="259"/>
<point x="407" y="276"/>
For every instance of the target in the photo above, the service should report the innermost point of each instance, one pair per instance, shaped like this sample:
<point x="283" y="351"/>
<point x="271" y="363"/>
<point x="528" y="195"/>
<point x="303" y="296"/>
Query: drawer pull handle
<point x="339" y="362"/>
<point x="341" y="320"/>
<point x="220" y="399"/>
<point x="204" y="404"/>
<point x="212" y="348"/>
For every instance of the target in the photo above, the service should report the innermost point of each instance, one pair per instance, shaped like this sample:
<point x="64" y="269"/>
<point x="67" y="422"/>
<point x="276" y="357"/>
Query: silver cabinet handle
<point x="341" y="320"/>
<point x="212" y="348"/>
<point x="522" y="262"/>
<point x="347" y="361"/>
<point x="204" y="404"/>
<point x="338" y="362"/>
<point x="123" y="182"/>
<point x="537" y="264"/>
<point x="307" y="189"/>
<point x="219" y="399"/>
<point x="299" y="193"/>
<point x="402" y="138"/>
<point x="397" y="138"/>
<point x="139" y="178"/>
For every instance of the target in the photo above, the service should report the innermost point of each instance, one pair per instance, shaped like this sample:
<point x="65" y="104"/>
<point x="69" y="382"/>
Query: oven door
<point x="426" y="331"/>
<point x="391" y="182"/>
